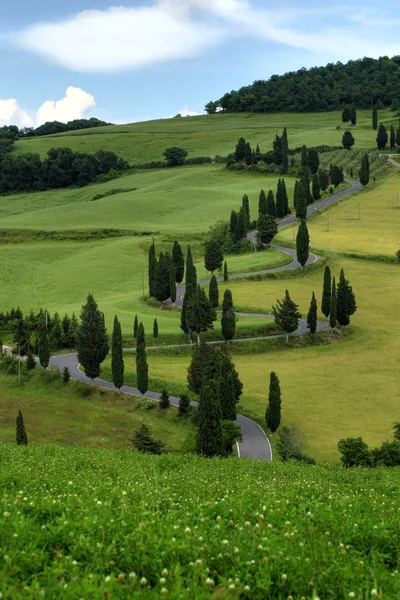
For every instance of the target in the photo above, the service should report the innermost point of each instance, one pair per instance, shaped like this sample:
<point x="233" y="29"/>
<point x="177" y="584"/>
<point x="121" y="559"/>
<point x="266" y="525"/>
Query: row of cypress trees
<point x="338" y="301"/>
<point x="165" y="273"/>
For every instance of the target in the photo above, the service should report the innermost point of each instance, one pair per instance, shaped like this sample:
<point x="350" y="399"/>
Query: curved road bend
<point x="255" y="443"/>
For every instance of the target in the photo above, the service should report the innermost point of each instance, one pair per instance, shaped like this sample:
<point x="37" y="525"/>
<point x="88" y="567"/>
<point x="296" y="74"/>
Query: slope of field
<point x="55" y="413"/>
<point x="185" y="200"/>
<point x="98" y="524"/>
<point x="210" y="135"/>
<point x="365" y="223"/>
<point x="341" y="390"/>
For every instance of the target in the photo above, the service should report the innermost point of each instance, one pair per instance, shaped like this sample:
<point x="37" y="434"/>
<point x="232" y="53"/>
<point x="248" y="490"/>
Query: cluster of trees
<point x="356" y="453"/>
<point x="356" y="83"/>
<point x="338" y="300"/>
<point x="391" y="139"/>
<point x="349" y="113"/>
<point x="61" y="168"/>
<point x="57" y="127"/>
<point x="165" y="272"/>
<point x="244" y="153"/>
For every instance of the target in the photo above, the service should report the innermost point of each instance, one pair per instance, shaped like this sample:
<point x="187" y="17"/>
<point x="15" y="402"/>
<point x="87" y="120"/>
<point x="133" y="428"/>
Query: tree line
<point x="356" y="453"/>
<point x="279" y="155"/>
<point x="358" y="82"/>
<point x="51" y="127"/>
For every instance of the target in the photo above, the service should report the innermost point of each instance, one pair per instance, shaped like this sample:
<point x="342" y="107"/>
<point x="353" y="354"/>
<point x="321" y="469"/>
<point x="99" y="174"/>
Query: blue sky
<point x="147" y="59"/>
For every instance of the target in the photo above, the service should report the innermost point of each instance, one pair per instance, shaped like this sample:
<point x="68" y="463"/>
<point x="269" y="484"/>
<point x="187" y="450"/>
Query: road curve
<point x="255" y="443"/>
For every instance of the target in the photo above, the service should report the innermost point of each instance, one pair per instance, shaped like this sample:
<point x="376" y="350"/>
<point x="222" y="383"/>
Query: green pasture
<point x="184" y="201"/>
<point x="210" y="135"/>
<point x="55" y="413"/>
<point x="366" y="223"/>
<point x="345" y="389"/>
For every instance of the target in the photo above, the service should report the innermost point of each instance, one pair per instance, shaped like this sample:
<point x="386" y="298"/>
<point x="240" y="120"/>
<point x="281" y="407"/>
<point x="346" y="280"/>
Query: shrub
<point x="9" y="364"/>
<point x="290" y="444"/>
<point x="83" y="390"/>
<point x="146" y="404"/>
<point x="143" y="442"/>
<point x="51" y="374"/>
<point x="355" y="453"/>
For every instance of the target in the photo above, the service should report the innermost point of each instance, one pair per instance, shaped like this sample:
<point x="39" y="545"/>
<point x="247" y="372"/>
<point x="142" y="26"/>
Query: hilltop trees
<point x="382" y="137"/>
<point x="142" y="369"/>
<point x="326" y="292"/>
<point x="312" y="315"/>
<point x="178" y="261"/>
<point x="364" y="170"/>
<point x="273" y="412"/>
<point x="92" y="339"/>
<point x="228" y="319"/>
<point x="286" y="315"/>
<point x="346" y="301"/>
<point x="117" y="358"/>
<point x="302" y="243"/>
<point x="348" y="140"/>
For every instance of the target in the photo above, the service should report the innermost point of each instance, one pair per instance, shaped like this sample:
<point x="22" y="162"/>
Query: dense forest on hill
<point x="364" y="82"/>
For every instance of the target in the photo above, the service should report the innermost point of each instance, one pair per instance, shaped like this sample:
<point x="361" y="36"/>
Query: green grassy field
<point x="210" y="135"/>
<point x="55" y="413"/>
<point x="185" y="200"/>
<point x="365" y="223"/>
<point x="99" y="524"/>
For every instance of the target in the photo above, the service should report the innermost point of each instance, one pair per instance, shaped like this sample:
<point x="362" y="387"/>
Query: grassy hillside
<point x="99" y="524"/>
<point x="76" y="415"/>
<point x="210" y="134"/>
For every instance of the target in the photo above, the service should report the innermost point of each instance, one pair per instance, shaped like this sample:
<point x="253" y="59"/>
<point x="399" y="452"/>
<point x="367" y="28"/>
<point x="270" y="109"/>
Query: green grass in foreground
<point x="97" y="523"/>
<point x="210" y="135"/>
<point x="55" y="413"/>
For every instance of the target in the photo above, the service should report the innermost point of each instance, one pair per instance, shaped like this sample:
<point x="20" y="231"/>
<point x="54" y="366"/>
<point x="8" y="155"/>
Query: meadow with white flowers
<point x="82" y="523"/>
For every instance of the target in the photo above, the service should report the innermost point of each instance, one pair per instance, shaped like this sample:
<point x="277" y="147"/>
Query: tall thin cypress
<point x="228" y="319"/>
<point x="209" y="435"/>
<point x="326" y="292"/>
<point x="271" y="206"/>
<point x="302" y="243"/>
<point x="262" y="204"/>
<point x="392" y="137"/>
<point x="285" y="197"/>
<point x="92" y="339"/>
<point x="301" y="201"/>
<point x="44" y="346"/>
<point x="333" y="311"/>
<point x="285" y="149"/>
<point x="374" y="117"/>
<point x="179" y="262"/>
<point x="117" y="357"/>
<point x="312" y="315"/>
<point x="273" y="412"/>
<point x="152" y="268"/>
<point x="213" y="293"/>
<point x="280" y="202"/>
<point x="172" y="282"/>
<point x="364" y="170"/>
<point x="226" y="276"/>
<point x="22" y="438"/>
<point x="316" y="190"/>
<point x="246" y="206"/>
<point x="345" y="302"/>
<point x="135" y="326"/>
<point x="155" y="328"/>
<point x="142" y="369"/>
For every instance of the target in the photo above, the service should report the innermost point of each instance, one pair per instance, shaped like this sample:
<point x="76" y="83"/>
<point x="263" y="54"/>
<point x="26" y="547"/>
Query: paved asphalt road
<point x="255" y="444"/>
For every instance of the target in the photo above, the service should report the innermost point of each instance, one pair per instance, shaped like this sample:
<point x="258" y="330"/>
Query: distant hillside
<point x="361" y="82"/>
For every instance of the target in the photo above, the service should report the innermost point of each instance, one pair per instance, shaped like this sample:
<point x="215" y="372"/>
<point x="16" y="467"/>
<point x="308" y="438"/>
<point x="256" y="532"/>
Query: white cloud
<point x="12" y="114"/>
<point x="185" y="112"/>
<point x="75" y="105"/>
<point x="123" y="38"/>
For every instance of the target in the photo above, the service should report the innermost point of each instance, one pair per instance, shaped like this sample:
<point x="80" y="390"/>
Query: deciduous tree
<point x="175" y="156"/>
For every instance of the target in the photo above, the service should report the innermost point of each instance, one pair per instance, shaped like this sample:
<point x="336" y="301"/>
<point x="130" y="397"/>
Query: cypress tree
<point x="22" y="339"/>
<point x="285" y="149"/>
<point x="233" y="225"/>
<point x="295" y="193"/>
<point x="164" y="400"/>
<point x="241" y="227"/>
<point x="346" y="114"/>
<point x="213" y="256"/>
<point x="92" y="339"/>
<point x="258" y="152"/>
<point x="203" y="367"/>
<point x="333" y="309"/>
<point x="199" y="313"/>
<point x="213" y="293"/>
<point x="304" y="157"/>
<point x="312" y="315"/>
<point x="285" y="197"/>
<point x="348" y="140"/>
<point x="226" y="276"/>
<point x="346" y="301"/>
<point x="209" y="436"/>
<point x="229" y="387"/>
<point x="66" y="325"/>
<point x="267" y="229"/>
<point x="306" y="184"/>
<point x="135" y="327"/>
<point x="353" y="115"/>
<point x="184" y="405"/>
<point x="262" y="204"/>
<point x="374" y="117"/>
<point x="191" y="274"/>
<point x="240" y="150"/>
<point x="155" y="328"/>
<point x="143" y="442"/>
<point x="271" y="206"/>
<point x="44" y="346"/>
<point x="178" y="261"/>
<point x="246" y="206"/>
<point x="56" y="336"/>
<point x="228" y="319"/>
<point x="392" y="137"/>
<point x="152" y="268"/>
<point x="364" y="170"/>
<point x="273" y="412"/>
<point x="73" y="331"/>
<point x="280" y="203"/>
<point x="30" y="362"/>
<point x="382" y="137"/>
<point x="326" y="292"/>
<point x="313" y="161"/>
<point x="277" y="150"/>
<point x="398" y="136"/>
<point x="172" y="282"/>
<point x="66" y="375"/>
<point x="302" y="243"/>
<point x="316" y="190"/>
<point x="248" y="157"/>
<point x="286" y="315"/>
<point x="323" y="177"/>
<point x="301" y="201"/>
<point x="142" y="369"/>
<point x="161" y="285"/>
<point x="117" y="357"/>
<point x="22" y="438"/>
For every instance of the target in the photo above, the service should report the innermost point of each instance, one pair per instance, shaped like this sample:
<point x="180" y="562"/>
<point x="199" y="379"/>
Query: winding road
<point x="255" y="443"/>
